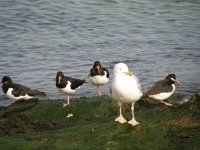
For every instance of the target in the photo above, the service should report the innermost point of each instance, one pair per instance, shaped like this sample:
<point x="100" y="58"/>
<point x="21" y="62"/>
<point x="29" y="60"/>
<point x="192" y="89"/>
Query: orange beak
<point x="59" y="78"/>
<point x="178" y="82"/>
<point x="98" y="69"/>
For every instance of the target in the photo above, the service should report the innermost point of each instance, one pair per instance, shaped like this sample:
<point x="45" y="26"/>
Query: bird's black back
<point x="75" y="83"/>
<point x="21" y="90"/>
<point x="163" y="86"/>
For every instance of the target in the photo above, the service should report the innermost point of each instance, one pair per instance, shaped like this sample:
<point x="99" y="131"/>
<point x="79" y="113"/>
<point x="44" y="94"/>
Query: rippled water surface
<point x="153" y="37"/>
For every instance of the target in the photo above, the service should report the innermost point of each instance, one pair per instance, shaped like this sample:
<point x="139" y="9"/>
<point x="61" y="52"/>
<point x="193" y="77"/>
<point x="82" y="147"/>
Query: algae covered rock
<point x="88" y="123"/>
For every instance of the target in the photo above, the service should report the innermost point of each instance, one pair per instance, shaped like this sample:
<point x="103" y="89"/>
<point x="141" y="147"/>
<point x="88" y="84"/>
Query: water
<point x="154" y="38"/>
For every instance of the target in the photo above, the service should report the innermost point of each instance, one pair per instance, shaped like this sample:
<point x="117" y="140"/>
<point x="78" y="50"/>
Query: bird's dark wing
<point x="162" y="86"/>
<point x="107" y="75"/>
<point x="35" y="92"/>
<point x="75" y="83"/>
<point x="93" y="72"/>
<point x="19" y="90"/>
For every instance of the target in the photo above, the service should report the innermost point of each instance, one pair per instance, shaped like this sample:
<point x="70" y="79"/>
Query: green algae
<point x="47" y="125"/>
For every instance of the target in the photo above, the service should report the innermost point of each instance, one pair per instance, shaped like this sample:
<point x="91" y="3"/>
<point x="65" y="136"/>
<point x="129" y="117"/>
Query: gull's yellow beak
<point x="129" y="73"/>
<point x="59" y="78"/>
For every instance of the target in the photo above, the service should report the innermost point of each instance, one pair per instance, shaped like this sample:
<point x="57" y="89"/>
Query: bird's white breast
<point x="67" y="90"/>
<point x="163" y="96"/>
<point x="126" y="89"/>
<point x="99" y="79"/>
<point x="11" y="96"/>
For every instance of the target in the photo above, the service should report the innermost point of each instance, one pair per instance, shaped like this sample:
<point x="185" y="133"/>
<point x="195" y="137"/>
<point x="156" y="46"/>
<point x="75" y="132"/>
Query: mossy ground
<point x="45" y="125"/>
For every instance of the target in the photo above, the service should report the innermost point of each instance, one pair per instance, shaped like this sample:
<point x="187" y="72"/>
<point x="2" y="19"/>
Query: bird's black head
<point x="171" y="77"/>
<point x="60" y="73"/>
<point x="97" y="65"/>
<point x="6" y="80"/>
<point x="59" y="76"/>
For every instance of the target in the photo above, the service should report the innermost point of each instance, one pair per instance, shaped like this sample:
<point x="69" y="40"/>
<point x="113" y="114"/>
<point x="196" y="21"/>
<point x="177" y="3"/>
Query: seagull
<point x="98" y="76"/>
<point x="163" y="89"/>
<point x="16" y="91"/>
<point x="67" y="85"/>
<point x="125" y="88"/>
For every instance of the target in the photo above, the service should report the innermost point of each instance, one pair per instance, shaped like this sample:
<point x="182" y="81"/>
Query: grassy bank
<point x="47" y="125"/>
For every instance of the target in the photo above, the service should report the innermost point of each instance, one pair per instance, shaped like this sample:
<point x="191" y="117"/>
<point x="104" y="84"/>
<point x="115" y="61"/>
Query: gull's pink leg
<point x="120" y="119"/>
<point x="133" y="122"/>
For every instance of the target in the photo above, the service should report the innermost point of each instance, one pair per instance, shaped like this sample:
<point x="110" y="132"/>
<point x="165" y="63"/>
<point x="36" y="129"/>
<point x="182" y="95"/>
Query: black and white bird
<point x="125" y="88"/>
<point x="163" y="89"/>
<point x="67" y="85"/>
<point x="98" y="76"/>
<point x="16" y="91"/>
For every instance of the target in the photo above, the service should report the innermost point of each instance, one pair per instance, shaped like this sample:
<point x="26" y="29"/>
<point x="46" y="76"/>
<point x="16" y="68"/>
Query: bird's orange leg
<point x="166" y="103"/>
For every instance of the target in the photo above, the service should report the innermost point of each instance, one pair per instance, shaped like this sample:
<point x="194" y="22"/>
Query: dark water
<point x="153" y="37"/>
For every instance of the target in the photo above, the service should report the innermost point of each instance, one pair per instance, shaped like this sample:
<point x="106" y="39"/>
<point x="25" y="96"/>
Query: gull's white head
<point x="120" y="68"/>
